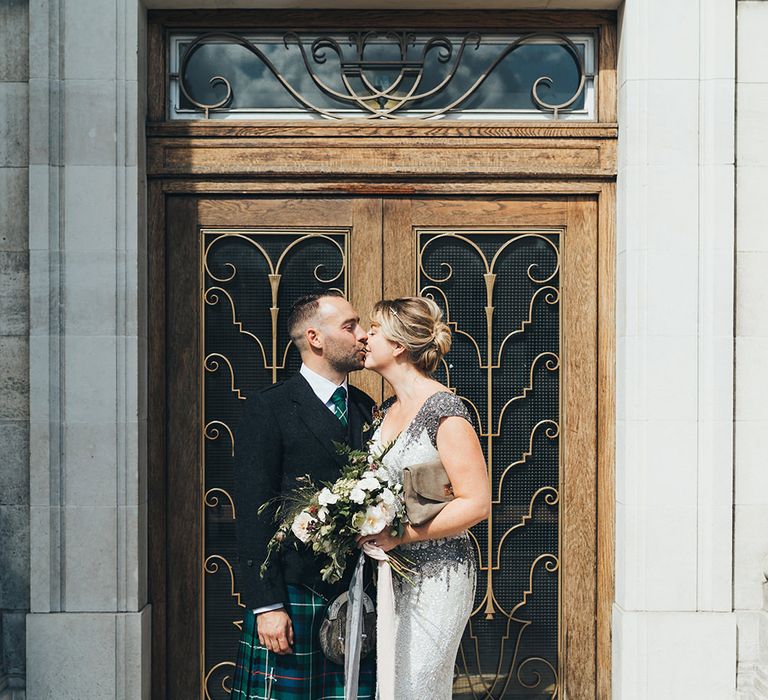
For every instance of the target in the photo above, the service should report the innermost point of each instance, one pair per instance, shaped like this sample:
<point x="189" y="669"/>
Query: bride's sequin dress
<point x="431" y="613"/>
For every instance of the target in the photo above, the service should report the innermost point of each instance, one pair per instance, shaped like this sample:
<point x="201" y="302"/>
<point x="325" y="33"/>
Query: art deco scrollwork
<point x="212" y="500"/>
<point x="211" y="566"/>
<point x="211" y="364"/>
<point x="248" y="277"/>
<point x="382" y="88"/>
<point x="223" y="681"/>
<point x="502" y="310"/>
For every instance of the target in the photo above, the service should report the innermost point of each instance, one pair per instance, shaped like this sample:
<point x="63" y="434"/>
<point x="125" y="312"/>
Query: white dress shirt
<point x="323" y="389"/>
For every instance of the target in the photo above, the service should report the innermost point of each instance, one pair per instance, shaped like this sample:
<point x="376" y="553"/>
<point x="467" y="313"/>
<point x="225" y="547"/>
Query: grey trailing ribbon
<point x="354" y="632"/>
<point x="385" y="627"/>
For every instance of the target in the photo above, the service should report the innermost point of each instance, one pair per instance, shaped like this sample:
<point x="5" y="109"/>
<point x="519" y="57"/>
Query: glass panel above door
<point x="382" y="75"/>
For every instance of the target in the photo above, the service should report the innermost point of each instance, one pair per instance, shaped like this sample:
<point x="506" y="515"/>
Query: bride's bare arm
<point x="463" y="459"/>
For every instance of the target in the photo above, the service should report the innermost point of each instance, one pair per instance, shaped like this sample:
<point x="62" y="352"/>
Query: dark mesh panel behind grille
<point x="250" y="292"/>
<point x="514" y="394"/>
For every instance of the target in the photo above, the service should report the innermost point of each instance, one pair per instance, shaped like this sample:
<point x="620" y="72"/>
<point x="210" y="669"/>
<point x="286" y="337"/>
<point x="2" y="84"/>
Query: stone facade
<point x="14" y="345"/>
<point x="750" y="590"/>
<point x="691" y="606"/>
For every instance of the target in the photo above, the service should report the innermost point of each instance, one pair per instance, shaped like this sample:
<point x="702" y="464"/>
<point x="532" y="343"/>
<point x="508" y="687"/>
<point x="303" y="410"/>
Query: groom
<point x="286" y="432"/>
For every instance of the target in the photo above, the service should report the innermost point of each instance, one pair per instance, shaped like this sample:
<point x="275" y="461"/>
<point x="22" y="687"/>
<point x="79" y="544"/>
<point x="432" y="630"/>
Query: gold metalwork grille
<point x="248" y="281"/>
<point x="500" y="292"/>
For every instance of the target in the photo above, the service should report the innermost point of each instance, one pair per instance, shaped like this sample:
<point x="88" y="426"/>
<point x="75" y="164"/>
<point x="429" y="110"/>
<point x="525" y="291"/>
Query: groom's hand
<point x="275" y="631"/>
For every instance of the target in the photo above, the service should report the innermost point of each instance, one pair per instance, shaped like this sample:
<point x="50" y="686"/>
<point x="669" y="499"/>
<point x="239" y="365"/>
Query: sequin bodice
<point x="418" y="440"/>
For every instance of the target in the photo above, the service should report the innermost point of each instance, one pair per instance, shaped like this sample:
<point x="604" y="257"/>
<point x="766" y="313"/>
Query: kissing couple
<point x="287" y="431"/>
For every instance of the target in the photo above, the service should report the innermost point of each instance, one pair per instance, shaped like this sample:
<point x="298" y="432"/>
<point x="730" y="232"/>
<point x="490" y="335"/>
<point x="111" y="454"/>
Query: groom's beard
<point x="345" y="363"/>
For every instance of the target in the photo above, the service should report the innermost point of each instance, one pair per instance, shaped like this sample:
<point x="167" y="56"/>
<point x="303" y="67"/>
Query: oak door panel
<point x="517" y="279"/>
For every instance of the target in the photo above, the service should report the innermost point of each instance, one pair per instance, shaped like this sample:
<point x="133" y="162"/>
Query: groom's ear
<point x="314" y="337"/>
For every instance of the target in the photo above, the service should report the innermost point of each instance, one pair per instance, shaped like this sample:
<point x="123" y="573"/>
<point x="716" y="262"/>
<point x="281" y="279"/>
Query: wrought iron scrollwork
<point x="361" y="77"/>
<point x="500" y="292"/>
<point x="250" y="277"/>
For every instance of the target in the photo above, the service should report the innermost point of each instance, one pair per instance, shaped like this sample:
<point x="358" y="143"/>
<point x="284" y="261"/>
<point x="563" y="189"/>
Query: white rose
<point x="369" y="483"/>
<point x="322" y="513"/>
<point x="357" y="495"/>
<point x="301" y="525"/>
<point x="387" y="497"/>
<point x="375" y="520"/>
<point x="390" y="510"/>
<point x="327" y="497"/>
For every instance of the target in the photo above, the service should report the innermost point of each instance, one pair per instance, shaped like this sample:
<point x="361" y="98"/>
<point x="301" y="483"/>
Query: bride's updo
<point x="417" y="324"/>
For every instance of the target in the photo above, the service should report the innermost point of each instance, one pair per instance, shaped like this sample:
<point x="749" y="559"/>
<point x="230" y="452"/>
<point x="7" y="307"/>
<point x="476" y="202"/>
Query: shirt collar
<point x="322" y="387"/>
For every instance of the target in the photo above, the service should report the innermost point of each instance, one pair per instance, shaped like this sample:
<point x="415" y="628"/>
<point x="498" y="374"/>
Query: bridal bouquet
<point x="329" y="518"/>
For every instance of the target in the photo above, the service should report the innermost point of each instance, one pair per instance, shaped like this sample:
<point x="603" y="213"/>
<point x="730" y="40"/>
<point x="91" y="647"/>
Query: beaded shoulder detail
<point x="437" y="406"/>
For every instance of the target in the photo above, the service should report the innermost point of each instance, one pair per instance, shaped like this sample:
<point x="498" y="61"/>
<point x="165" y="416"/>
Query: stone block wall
<point x="674" y="631"/>
<point x="14" y="345"/>
<point x="750" y="589"/>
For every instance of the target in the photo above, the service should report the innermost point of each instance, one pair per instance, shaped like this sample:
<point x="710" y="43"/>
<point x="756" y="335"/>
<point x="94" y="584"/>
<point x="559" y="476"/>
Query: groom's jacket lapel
<point x="316" y="416"/>
<point x="359" y="416"/>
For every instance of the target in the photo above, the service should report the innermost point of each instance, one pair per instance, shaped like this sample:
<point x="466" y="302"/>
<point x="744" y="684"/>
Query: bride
<point x="406" y="342"/>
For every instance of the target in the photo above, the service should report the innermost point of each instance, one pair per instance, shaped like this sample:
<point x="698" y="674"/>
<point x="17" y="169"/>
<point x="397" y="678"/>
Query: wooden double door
<point x="517" y="278"/>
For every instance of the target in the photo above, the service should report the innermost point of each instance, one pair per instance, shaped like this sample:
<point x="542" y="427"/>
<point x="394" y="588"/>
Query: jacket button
<point x="249" y="562"/>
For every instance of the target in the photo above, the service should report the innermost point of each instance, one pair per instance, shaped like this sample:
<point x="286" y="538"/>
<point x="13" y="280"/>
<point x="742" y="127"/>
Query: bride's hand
<point x="384" y="540"/>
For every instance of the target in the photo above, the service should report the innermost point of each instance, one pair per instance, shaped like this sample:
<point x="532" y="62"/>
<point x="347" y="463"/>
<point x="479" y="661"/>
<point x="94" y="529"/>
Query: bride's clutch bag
<point x="426" y="489"/>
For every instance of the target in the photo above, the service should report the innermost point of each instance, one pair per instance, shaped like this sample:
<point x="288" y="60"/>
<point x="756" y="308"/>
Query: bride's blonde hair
<point x="417" y="324"/>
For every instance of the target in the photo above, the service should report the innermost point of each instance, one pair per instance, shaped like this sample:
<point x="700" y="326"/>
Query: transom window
<point x="382" y="75"/>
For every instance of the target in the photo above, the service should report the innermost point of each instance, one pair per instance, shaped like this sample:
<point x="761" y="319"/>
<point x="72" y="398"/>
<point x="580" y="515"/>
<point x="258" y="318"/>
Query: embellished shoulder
<point x="441" y="405"/>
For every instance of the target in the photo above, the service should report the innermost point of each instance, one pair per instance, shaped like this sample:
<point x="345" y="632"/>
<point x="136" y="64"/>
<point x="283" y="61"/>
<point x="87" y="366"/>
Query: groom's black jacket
<point x="285" y="432"/>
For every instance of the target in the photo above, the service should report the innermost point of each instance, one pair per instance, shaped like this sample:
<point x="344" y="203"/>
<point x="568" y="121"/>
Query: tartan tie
<point x="339" y="399"/>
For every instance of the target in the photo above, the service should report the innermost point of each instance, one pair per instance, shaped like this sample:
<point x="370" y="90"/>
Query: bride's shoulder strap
<point x="445" y="404"/>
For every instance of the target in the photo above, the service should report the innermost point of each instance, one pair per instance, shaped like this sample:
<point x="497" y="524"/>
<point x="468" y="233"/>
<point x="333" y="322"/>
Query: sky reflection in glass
<point x="506" y="92"/>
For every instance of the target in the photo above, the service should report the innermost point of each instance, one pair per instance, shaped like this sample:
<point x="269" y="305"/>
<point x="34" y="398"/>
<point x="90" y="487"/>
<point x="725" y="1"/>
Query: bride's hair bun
<point x="417" y="324"/>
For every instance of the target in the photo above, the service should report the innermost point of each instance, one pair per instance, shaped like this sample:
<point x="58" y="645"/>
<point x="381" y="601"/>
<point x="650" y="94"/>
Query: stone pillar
<point x="14" y="347"/>
<point x="88" y="629"/>
<point x="751" y="425"/>
<point x="674" y="633"/>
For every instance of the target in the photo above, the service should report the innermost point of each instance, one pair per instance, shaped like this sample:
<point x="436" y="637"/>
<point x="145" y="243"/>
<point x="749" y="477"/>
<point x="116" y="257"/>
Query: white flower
<point x="327" y="497"/>
<point x="375" y="520"/>
<point x="301" y="525"/>
<point x="357" y="495"/>
<point x="368" y="484"/>
<point x="322" y="513"/>
<point x="387" y="497"/>
<point x="389" y="502"/>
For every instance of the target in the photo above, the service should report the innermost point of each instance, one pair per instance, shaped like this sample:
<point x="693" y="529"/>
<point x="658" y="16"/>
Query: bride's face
<point x="381" y="351"/>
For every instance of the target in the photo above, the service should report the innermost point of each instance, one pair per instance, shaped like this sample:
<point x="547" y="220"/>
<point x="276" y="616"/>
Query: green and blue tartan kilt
<point x="263" y="675"/>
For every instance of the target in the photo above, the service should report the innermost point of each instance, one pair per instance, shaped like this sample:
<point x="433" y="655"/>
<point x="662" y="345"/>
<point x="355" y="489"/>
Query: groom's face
<point x="342" y="337"/>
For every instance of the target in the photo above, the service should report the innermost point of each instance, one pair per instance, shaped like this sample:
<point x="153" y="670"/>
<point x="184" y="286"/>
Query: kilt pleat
<point x="304" y="675"/>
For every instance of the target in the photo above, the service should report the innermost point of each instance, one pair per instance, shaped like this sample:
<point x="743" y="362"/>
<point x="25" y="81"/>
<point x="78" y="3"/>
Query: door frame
<point x="477" y="158"/>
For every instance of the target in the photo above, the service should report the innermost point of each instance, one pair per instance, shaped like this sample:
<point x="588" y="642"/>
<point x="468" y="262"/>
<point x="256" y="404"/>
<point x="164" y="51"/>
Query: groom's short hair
<point x="304" y="310"/>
